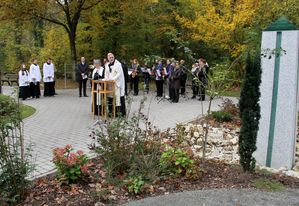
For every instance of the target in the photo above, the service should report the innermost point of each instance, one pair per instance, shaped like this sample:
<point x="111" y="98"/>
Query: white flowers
<point x="196" y="134"/>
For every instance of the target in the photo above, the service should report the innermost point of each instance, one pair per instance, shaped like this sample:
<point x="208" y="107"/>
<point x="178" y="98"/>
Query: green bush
<point x="135" y="184"/>
<point x="250" y="112"/>
<point x="175" y="161"/>
<point x="70" y="165"/>
<point x="222" y="116"/>
<point x="14" y="160"/>
<point x="128" y="149"/>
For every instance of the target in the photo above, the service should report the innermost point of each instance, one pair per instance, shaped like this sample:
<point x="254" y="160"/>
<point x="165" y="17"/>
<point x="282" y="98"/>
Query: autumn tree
<point x="65" y="13"/>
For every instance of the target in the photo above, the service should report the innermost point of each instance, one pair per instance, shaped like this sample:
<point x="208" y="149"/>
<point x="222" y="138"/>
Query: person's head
<point x="177" y="65"/>
<point x="97" y="63"/>
<point x="23" y="66"/>
<point x="168" y="61"/>
<point x="135" y="61"/>
<point x="182" y="62"/>
<point x="202" y="61"/>
<point x="82" y="59"/>
<point x="110" y="57"/>
<point x="49" y="60"/>
<point x="34" y="61"/>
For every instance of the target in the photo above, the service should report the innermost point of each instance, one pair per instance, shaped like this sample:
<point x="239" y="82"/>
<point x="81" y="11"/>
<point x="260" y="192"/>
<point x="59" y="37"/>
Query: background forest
<point x="219" y="30"/>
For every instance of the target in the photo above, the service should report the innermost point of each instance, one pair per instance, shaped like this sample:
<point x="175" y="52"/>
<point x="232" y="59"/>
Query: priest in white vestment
<point x="114" y="71"/>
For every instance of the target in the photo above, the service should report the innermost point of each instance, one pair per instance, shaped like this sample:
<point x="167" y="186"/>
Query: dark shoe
<point x="80" y="95"/>
<point x="193" y="97"/>
<point x="85" y="96"/>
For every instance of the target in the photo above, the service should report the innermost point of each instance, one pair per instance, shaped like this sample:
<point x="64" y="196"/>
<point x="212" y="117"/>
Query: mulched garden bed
<point x="95" y="189"/>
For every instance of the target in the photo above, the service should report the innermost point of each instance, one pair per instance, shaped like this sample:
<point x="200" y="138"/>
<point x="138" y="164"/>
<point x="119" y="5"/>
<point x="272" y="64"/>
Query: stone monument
<point x="279" y="93"/>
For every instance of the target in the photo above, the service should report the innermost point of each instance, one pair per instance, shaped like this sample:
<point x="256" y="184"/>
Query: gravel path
<point x="67" y="119"/>
<point x="222" y="197"/>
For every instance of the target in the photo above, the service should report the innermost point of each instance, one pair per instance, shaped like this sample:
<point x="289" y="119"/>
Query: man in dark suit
<point x="125" y="71"/>
<point x="82" y="76"/>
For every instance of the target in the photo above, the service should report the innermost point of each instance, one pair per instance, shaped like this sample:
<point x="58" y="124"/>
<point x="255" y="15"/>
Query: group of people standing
<point x="110" y="69"/>
<point x="29" y="81"/>
<point x="171" y="76"/>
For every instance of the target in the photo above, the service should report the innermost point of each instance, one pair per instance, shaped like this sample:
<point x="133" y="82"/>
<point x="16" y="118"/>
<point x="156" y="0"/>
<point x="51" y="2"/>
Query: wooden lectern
<point x="104" y="88"/>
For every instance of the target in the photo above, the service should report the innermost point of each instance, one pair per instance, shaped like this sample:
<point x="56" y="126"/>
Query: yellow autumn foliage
<point x="221" y="23"/>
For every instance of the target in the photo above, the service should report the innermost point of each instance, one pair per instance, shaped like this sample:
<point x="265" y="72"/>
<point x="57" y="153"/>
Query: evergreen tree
<point x="249" y="112"/>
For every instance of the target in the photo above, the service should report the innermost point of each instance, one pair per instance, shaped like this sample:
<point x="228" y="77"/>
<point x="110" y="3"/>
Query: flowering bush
<point x="71" y="165"/>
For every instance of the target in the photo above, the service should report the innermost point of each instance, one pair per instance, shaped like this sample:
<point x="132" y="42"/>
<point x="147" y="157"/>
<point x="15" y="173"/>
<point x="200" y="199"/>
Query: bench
<point x="9" y="79"/>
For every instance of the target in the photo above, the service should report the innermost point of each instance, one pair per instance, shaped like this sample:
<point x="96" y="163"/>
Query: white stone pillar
<point x="279" y="89"/>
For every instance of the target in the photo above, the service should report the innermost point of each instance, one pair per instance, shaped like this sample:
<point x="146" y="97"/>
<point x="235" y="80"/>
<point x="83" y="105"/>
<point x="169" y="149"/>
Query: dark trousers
<point x="202" y="92"/>
<point x="49" y="89"/>
<point x="126" y="88"/>
<point x="175" y="93"/>
<point x="120" y="110"/>
<point x="131" y="82"/>
<point x="159" y="85"/>
<point x="146" y="82"/>
<point x="195" y="89"/>
<point x="54" y="87"/>
<point x="123" y="106"/>
<point x="34" y="90"/>
<point x="136" y="84"/>
<point x="82" y="83"/>
<point x="24" y="92"/>
<point x="183" y="85"/>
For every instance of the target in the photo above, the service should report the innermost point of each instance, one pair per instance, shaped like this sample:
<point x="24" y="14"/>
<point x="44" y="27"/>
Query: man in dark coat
<point x="82" y="76"/>
<point x="127" y="79"/>
<point x="183" y="77"/>
<point x="175" y="83"/>
<point x="203" y="78"/>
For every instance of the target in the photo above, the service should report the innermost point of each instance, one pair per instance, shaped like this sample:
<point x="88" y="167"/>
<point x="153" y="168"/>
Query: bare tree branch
<point x="92" y="5"/>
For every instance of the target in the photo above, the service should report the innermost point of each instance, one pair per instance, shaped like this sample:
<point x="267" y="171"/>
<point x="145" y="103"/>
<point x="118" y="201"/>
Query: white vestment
<point x="117" y="75"/>
<point x="24" y="79"/>
<point x="48" y="71"/>
<point x="34" y="72"/>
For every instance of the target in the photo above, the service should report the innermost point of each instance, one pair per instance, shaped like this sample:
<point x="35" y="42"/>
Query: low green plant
<point x="71" y="165"/>
<point x="222" y="116"/>
<point x="268" y="185"/>
<point x="175" y="161"/>
<point x="135" y="184"/>
<point x="128" y="146"/>
<point x="15" y="165"/>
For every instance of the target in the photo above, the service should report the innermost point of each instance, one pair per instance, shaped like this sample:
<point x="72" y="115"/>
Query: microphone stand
<point x="98" y="103"/>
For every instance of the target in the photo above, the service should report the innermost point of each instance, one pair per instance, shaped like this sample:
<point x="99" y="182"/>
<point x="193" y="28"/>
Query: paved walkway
<point x="222" y="197"/>
<point x="67" y="119"/>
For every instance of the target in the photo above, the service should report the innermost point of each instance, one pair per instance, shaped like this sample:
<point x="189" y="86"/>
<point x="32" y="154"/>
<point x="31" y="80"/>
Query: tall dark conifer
<point x="249" y="112"/>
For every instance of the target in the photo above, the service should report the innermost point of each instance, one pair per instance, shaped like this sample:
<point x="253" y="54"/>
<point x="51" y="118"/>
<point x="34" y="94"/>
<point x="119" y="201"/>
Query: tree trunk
<point x="72" y="39"/>
<point x="206" y="132"/>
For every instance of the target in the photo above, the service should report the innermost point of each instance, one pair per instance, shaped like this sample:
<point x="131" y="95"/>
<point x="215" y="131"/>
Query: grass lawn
<point x="232" y="93"/>
<point x="27" y="111"/>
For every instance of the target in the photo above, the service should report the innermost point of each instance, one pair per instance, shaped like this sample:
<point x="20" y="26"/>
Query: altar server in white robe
<point x="24" y="80"/>
<point x="97" y="74"/>
<point x="114" y="72"/>
<point x="48" y="72"/>
<point x="35" y="78"/>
